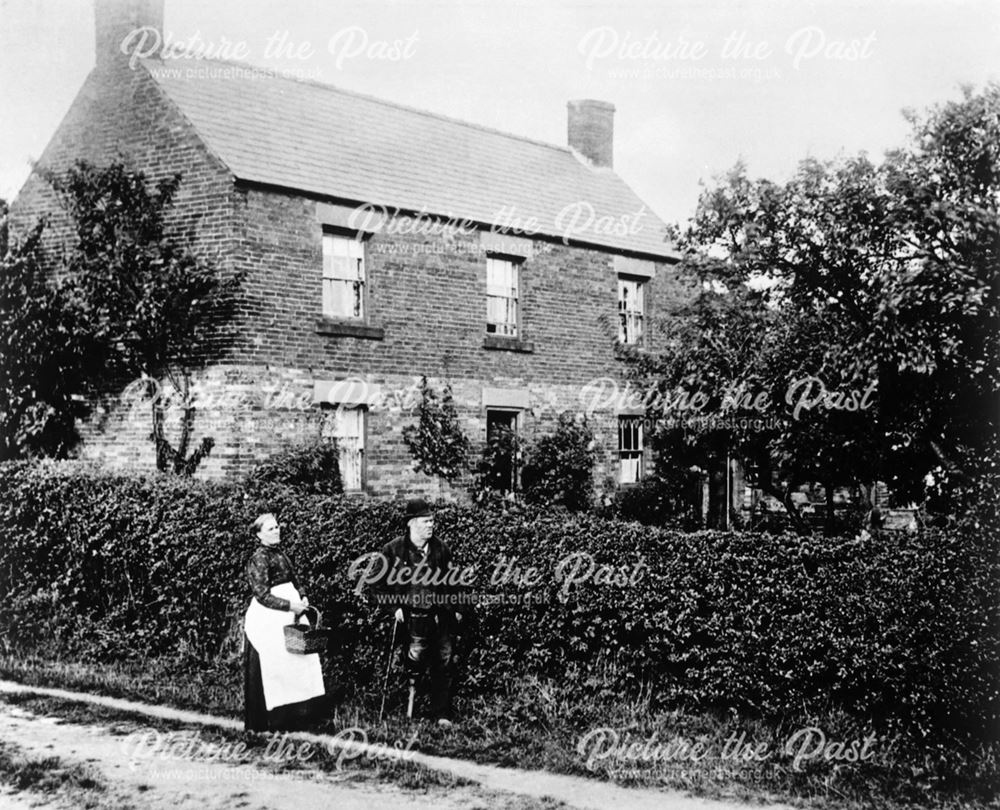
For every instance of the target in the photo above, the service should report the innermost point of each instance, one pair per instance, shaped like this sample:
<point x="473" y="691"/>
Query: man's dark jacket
<point x="401" y="552"/>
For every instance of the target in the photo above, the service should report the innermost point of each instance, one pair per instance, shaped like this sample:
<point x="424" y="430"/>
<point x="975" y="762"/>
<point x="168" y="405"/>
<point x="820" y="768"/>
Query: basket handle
<point x="317" y="616"/>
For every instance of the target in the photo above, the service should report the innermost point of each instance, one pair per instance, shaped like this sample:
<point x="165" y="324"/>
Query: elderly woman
<point x="283" y="690"/>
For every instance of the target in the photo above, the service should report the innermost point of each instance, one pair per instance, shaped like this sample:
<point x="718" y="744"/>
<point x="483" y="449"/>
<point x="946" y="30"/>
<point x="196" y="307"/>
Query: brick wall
<point x="428" y="295"/>
<point x="254" y="411"/>
<point x="430" y="298"/>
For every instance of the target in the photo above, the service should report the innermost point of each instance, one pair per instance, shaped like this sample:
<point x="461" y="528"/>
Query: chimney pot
<point x="590" y="130"/>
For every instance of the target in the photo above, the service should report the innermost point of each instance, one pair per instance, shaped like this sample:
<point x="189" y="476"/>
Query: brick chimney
<point x="117" y="19"/>
<point x="591" y="129"/>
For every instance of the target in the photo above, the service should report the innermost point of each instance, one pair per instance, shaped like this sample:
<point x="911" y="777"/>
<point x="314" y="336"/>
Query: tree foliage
<point x="129" y="299"/>
<point x="41" y="353"/>
<point x="149" y="301"/>
<point x="937" y="336"/>
<point x="876" y="284"/>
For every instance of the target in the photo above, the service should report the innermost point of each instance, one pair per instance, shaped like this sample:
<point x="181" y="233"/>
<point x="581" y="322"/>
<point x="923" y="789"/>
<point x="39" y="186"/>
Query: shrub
<point x="659" y="501"/>
<point x="496" y="471"/>
<point x="312" y="468"/>
<point x="559" y="468"/>
<point x="40" y="370"/>
<point x="903" y="631"/>
<point x="437" y="442"/>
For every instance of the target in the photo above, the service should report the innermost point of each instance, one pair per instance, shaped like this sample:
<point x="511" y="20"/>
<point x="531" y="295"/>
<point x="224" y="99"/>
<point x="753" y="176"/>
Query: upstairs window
<point x="343" y="277"/>
<point x="629" y="449"/>
<point x="502" y="287"/>
<point x="631" y="308"/>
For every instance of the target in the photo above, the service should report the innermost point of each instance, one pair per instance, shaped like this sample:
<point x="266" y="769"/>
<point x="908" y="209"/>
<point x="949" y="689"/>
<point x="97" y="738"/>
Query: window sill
<point x="510" y="344"/>
<point x="329" y="326"/>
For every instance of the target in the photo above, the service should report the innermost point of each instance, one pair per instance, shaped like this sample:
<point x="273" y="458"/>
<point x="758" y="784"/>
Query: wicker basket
<point x="305" y="639"/>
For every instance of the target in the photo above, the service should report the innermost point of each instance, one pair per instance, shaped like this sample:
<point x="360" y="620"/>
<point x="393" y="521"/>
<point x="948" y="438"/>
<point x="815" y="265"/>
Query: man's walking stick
<point x="388" y="663"/>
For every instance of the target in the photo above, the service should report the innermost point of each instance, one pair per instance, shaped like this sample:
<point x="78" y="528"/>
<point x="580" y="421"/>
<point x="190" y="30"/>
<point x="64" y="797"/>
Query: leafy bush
<point x="555" y="469"/>
<point x="560" y="467"/>
<point x="902" y="631"/>
<point x="437" y="442"/>
<point x="312" y="468"/>
<point x="40" y="369"/>
<point x="659" y="501"/>
<point x="496" y="471"/>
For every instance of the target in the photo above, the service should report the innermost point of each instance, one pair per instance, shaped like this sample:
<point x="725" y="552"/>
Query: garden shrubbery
<point x="658" y="501"/>
<point x="902" y="630"/>
<point x="313" y="468"/>
<point x="559" y="468"/>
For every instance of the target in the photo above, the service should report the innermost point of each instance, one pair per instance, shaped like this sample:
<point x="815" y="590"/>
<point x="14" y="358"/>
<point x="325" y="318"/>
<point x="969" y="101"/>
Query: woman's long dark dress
<point x="266" y="568"/>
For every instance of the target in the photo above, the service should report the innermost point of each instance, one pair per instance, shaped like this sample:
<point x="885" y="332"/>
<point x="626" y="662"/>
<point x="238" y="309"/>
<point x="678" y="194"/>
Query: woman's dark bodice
<point x="269" y="566"/>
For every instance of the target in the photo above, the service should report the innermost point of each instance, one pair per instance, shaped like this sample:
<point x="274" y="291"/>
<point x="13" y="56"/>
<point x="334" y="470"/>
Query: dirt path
<point x="177" y="782"/>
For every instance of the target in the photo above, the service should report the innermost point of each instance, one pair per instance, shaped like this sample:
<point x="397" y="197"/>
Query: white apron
<point x="287" y="677"/>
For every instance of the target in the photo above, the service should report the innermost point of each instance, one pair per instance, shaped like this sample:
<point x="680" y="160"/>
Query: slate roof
<point x="323" y="140"/>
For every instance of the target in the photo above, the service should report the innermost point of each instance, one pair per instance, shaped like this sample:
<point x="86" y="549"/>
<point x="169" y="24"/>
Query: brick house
<point x="380" y="243"/>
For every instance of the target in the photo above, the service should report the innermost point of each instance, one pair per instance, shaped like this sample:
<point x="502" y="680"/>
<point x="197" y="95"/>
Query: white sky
<point x="514" y="65"/>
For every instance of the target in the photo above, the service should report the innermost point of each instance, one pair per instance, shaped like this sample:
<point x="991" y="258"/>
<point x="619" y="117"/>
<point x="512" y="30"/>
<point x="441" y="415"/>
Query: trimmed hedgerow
<point x="902" y="630"/>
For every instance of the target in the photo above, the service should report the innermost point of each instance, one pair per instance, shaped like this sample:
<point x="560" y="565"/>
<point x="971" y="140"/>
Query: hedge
<point x="903" y="630"/>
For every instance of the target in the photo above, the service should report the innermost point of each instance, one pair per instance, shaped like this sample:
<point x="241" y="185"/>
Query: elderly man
<point x="420" y="585"/>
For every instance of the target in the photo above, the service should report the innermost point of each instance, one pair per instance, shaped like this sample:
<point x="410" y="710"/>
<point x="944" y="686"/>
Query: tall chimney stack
<point x="116" y="19"/>
<point x="591" y="130"/>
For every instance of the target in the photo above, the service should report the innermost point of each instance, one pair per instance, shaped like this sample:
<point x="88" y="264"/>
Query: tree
<point x="437" y="442"/>
<point x="148" y="306"/>
<point x="41" y="357"/>
<point x="877" y="284"/>
<point x="782" y="290"/>
<point x="937" y="332"/>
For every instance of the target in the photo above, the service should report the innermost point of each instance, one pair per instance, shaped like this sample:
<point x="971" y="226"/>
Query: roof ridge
<point x="275" y="73"/>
